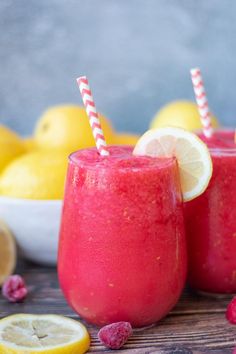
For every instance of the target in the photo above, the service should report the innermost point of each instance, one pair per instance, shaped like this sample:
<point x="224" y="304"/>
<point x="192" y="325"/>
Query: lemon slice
<point x="7" y="252"/>
<point x="193" y="157"/>
<point x="44" y="334"/>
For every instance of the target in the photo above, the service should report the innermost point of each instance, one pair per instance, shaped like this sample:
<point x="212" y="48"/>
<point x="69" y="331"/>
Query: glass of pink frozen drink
<point x="122" y="251"/>
<point x="211" y="222"/>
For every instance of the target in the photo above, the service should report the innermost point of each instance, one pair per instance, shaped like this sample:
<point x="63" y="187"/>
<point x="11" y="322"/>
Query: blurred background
<point x="136" y="54"/>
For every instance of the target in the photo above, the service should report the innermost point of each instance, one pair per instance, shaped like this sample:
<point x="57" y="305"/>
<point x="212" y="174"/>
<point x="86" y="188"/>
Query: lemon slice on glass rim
<point x="44" y="334"/>
<point x="192" y="155"/>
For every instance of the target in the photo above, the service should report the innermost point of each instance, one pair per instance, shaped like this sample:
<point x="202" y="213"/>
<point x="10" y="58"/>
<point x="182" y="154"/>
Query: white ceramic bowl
<point x="35" y="225"/>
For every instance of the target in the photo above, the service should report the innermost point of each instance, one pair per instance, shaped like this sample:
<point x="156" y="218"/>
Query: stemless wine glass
<point x="122" y="250"/>
<point x="211" y="225"/>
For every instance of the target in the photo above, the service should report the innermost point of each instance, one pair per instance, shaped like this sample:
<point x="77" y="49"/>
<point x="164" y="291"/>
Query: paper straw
<point x="202" y="103"/>
<point x="92" y="115"/>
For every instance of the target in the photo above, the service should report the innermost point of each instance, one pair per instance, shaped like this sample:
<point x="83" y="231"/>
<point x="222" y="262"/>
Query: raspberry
<point x="115" y="335"/>
<point x="14" y="288"/>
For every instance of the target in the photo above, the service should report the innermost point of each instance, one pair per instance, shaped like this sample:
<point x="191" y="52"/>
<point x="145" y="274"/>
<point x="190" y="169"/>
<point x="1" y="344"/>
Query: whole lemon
<point x="29" y="143"/>
<point x="68" y="127"/>
<point x="125" y="139"/>
<point x="36" y="175"/>
<point x="11" y="146"/>
<point x="183" y="114"/>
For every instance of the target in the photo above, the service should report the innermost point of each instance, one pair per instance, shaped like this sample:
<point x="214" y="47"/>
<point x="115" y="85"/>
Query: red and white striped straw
<point x="92" y="115"/>
<point x="202" y="103"/>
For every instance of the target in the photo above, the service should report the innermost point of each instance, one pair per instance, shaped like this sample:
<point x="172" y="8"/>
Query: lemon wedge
<point x="193" y="157"/>
<point x="7" y="252"/>
<point x="44" y="334"/>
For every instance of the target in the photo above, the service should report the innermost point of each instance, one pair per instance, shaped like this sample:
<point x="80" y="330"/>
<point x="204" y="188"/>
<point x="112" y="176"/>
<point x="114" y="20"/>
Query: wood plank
<point x="196" y="325"/>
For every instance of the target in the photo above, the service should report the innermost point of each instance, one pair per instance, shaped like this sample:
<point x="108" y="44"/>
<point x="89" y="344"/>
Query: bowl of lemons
<point x="33" y="172"/>
<point x="31" y="188"/>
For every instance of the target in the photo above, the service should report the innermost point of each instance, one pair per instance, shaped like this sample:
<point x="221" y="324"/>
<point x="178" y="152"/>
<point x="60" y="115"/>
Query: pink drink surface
<point x="211" y="223"/>
<point x="122" y="251"/>
<point x="225" y="134"/>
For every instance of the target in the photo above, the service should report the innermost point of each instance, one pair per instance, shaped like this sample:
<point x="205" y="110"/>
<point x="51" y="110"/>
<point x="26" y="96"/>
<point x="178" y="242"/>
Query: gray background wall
<point x="136" y="53"/>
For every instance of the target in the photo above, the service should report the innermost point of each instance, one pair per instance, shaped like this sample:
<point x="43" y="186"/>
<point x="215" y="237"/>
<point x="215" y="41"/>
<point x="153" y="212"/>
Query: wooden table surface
<point x="196" y="325"/>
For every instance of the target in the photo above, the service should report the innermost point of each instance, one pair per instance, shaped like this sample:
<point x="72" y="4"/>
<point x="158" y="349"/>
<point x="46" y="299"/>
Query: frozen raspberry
<point x="14" y="288"/>
<point x="231" y="311"/>
<point x="115" y="335"/>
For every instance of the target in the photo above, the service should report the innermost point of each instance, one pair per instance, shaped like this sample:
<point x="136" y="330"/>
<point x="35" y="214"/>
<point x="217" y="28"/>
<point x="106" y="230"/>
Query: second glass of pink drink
<point x="211" y="222"/>
<point x="122" y="251"/>
<point x="211" y="218"/>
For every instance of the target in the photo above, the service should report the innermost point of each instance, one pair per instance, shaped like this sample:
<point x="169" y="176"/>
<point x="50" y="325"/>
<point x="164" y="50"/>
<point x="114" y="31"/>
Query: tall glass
<point x="211" y="225"/>
<point x="122" y="251"/>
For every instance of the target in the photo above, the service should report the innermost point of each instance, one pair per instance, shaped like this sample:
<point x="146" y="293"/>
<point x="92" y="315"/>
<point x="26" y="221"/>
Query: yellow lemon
<point x="36" y="175"/>
<point x="29" y="143"/>
<point x="7" y="252"/>
<point x="182" y="114"/>
<point x="192" y="155"/>
<point x="68" y="127"/>
<point x="11" y="146"/>
<point x="125" y="139"/>
<point x="42" y="334"/>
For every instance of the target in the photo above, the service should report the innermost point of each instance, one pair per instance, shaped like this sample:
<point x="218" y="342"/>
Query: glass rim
<point x="166" y="161"/>
<point x="217" y="129"/>
<point x="223" y="151"/>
